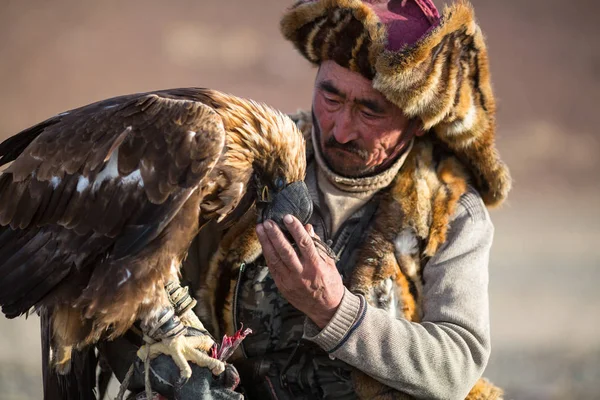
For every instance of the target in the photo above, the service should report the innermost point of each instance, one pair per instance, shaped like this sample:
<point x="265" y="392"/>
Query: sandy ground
<point x="545" y="262"/>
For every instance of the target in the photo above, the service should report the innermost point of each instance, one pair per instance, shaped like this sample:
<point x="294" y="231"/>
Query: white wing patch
<point x="55" y="181"/>
<point x="82" y="183"/>
<point x="134" y="177"/>
<point x="111" y="172"/>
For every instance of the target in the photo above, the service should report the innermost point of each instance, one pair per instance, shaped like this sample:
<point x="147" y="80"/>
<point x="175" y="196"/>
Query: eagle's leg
<point x="179" y="333"/>
<point x="183" y="305"/>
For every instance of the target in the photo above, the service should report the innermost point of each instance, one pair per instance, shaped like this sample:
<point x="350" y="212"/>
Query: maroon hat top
<point x="406" y="21"/>
<point x="339" y="28"/>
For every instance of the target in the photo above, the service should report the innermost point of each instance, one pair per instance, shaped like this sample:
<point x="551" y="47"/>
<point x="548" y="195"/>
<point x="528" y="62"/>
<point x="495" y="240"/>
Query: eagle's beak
<point x="294" y="199"/>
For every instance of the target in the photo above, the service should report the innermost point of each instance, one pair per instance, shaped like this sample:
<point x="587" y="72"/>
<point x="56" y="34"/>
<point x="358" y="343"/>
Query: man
<point x="384" y="293"/>
<point x="402" y="129"/>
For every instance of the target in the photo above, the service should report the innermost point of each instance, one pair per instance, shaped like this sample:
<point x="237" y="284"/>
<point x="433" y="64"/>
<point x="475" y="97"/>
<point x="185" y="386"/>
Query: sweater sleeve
<point x="443" y="356"/>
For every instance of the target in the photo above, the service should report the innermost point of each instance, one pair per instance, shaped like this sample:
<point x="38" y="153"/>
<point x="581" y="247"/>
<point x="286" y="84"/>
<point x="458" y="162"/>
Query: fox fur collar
<point x="409" y="227"/>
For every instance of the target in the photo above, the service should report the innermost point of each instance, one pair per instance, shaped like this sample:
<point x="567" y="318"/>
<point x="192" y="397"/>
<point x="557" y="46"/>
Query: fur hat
<point x="433" y="68"/>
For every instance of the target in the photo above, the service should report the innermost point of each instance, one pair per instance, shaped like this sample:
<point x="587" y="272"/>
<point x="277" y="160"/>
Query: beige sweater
<point x="443" y="356"/>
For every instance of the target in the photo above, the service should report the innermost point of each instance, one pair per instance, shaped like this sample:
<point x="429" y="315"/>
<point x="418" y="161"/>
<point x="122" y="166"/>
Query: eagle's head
<point x="279" y="171"/>
<point x="275" y="201"/>
<point x="273" y="148"/>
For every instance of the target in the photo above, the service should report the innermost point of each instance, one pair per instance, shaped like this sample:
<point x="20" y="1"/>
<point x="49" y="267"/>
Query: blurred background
<point x="545" y="266"/>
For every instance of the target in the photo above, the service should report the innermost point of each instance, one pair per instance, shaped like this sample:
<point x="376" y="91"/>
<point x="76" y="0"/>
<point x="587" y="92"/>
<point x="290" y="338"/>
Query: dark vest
<point x="296" y="368"/>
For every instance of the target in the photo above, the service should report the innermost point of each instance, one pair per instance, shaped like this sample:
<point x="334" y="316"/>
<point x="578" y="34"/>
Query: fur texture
<point x="443" y="79"/>
<point x="409" y="227"/>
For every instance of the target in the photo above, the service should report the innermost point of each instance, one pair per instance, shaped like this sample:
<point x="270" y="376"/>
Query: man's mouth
<point x="347" y="150"/>
<point x="345" y="153"/>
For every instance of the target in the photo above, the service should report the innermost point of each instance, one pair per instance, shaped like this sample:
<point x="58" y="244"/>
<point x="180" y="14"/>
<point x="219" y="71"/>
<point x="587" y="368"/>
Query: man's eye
<point x="369" y="115"/>
<point x="331" y="101"/>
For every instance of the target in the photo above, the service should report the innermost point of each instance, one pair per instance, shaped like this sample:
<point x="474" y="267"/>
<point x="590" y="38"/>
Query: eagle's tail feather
<point x="79" y="382"/>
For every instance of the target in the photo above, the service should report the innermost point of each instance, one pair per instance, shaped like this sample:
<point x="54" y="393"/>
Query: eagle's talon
<point x="218" y="369"/>
<point x="179" y="385"/>
<point x="183" y="349"/>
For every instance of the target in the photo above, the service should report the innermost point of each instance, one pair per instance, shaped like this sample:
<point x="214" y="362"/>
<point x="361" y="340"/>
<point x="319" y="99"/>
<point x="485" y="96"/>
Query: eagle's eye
<point x="280" y="183"/>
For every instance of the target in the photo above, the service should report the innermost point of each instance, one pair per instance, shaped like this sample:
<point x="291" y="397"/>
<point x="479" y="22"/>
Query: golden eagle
<point x="98" y="207"/>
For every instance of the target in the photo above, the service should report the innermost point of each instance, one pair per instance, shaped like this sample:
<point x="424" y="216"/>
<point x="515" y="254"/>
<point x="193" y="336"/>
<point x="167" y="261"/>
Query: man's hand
<point x="309" y="281"/>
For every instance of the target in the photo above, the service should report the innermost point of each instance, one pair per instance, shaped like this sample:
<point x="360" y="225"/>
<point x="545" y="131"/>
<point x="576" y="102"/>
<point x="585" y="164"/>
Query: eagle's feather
<point x="98" y="205"/>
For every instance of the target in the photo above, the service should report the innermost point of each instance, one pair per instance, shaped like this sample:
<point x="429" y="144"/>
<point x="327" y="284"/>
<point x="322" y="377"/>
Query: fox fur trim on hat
<point x="443" y="79"/>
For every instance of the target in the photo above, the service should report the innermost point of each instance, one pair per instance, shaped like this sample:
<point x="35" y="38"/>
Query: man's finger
<point x="301" y="237"/>
<point x="309" y="228"/>
<point x="271" y="256"/>
<point x="284" y="249"/>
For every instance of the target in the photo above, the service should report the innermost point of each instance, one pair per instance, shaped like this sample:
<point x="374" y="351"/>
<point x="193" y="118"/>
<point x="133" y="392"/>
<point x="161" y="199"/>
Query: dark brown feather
<point x="100" y="204"/>
<point x="12" y="147"/>
<point x="62" y="206"/>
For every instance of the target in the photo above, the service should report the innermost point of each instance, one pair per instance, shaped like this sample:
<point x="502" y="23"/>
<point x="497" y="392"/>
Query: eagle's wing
<point x="105" y="177"/>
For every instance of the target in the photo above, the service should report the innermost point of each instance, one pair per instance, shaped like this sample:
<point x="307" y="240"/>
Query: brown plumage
<point x="99" y="204"/>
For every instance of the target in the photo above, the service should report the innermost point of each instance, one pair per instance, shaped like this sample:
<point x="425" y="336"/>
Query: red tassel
<point x="229" y="344"/>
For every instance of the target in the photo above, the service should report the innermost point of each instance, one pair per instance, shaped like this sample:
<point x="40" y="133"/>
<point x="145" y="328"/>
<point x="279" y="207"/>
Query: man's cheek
<point x="324" y="122"/>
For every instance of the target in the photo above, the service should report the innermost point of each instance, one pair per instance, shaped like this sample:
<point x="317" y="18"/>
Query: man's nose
<point x="345" y="128"/>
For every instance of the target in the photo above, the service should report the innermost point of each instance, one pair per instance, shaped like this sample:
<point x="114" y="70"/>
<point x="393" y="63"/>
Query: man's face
<point x="360" y="132"/>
